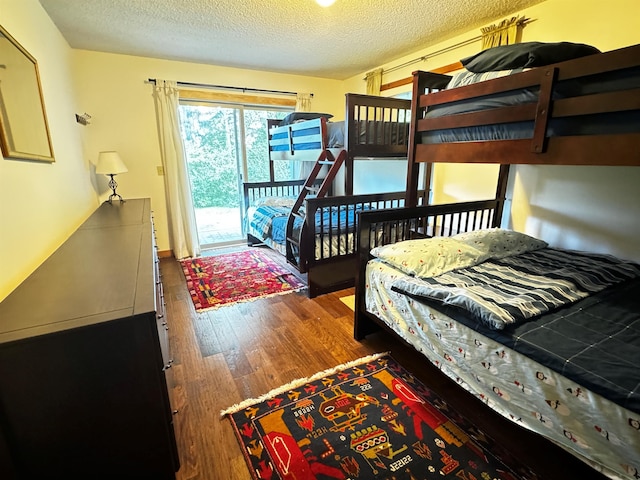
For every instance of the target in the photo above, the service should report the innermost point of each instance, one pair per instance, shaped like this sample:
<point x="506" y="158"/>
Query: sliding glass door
<point x="225" y="145"/>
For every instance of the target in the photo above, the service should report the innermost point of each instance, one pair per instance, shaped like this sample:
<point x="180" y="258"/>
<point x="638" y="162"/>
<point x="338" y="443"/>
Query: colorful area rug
<point x="369" y="419"/>
<point x="236" y="277"/>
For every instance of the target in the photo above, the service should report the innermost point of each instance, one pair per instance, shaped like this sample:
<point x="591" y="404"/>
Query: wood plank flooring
<point x="224" y="356"/>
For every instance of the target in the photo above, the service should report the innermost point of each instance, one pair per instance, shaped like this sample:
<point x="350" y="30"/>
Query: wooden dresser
<point x="84" y="358"/>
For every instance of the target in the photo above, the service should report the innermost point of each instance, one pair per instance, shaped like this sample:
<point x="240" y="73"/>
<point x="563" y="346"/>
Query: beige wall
<point x="42" y="204"/>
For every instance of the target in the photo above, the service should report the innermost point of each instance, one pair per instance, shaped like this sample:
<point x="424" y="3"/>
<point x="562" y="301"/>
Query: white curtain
<point x="374" y="81"/>
<point x="182" y="222"/>
<point x="303" y="102"/>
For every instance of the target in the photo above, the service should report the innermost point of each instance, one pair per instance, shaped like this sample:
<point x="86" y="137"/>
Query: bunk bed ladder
<point x="293" y="253"/>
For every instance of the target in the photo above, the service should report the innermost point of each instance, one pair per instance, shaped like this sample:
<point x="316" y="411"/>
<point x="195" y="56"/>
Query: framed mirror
<point x="24" y="131"/>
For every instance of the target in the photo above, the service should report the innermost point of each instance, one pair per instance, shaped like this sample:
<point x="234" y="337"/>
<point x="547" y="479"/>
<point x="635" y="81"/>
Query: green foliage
<point x="214" y="155"/>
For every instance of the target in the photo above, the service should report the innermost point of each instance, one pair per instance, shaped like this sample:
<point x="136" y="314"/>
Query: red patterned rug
<point x="369" y="419"/>
<point x="236" y="277"/>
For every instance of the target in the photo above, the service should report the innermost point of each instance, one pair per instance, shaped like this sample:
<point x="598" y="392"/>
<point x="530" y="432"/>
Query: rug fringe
<point x="300" y="381"/>
<point x="252" y="299"/>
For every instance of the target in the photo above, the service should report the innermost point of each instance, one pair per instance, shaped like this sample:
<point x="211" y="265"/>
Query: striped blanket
<point x="272" y="221"/>
<point x="516" y="288"/>
<point x="262" y="219"/>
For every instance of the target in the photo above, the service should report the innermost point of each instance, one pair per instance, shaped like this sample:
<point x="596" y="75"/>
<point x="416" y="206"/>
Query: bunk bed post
<point x="423" y="83"/>
<point x="428" y="179"/>
<point x="349" y="141"/>
<point x="501" y="194"/>
<point x="271" y="122"/>
<point x="362" y="326"/>
<point x="412" y="167"/>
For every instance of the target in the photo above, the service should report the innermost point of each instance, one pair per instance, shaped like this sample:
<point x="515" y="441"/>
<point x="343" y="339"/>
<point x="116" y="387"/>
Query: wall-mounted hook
<point x="83" y="119"/>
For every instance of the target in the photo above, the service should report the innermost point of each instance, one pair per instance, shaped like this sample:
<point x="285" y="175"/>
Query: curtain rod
<point x="433" y="54"/>
<point x="226" y="87"/>
<point x="519" y="21"/>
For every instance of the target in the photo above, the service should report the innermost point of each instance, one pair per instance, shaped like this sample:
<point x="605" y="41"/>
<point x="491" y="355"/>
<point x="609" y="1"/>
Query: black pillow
<point x="525" y="55"/>
<point x="300" y="116"/>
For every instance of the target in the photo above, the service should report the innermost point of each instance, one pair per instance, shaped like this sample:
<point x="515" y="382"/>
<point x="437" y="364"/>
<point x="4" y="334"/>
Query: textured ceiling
<point x="288" y="36"/>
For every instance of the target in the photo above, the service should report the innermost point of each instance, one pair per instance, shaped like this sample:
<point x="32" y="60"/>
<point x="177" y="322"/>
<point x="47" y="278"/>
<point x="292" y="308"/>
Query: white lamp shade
<point x="110" y="163"/>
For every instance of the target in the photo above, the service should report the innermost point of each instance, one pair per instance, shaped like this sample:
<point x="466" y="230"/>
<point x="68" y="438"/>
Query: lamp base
<point x="112" y="184"/>
<point x="116" y="197"/>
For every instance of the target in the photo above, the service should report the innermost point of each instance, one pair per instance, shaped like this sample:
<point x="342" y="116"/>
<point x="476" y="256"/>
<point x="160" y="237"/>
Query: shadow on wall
<point x="564" y="231"/>
<point x="582" y="207"/>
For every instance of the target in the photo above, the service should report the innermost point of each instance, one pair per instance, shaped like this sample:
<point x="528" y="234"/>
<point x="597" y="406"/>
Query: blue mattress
<point x="369" y="133"/>
<point x="335" y="138"/>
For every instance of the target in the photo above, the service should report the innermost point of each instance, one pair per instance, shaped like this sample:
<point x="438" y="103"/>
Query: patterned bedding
<point x="334" y="228"/>
<point x="570" y="375"/>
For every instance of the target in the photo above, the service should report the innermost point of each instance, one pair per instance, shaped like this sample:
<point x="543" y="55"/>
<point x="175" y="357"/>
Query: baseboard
<point x="165" y="253"/>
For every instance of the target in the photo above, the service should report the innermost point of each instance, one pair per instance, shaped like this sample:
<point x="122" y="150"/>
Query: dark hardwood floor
<point x="244" y="350"/>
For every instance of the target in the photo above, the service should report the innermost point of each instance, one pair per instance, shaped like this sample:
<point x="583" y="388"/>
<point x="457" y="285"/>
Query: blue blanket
<point x="263" y="218"/>
<point x="272" y="221"/>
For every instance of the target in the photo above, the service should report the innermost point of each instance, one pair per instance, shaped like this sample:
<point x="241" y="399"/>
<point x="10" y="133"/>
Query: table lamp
<point x="110" y="163"/>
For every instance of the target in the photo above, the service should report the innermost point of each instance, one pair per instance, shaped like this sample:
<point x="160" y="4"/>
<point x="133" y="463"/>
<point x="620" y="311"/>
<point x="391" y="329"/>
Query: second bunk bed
<point x="313" y="221"/>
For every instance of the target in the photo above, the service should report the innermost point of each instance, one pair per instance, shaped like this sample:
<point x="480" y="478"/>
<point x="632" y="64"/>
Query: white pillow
<point x="465" y="77"/>
<point x="429" y="257"/>
<point x="498" y="243"/>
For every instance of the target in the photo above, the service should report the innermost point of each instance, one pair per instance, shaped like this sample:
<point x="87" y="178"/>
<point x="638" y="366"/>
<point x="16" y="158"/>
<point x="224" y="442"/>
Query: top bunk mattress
<point x="335" y="138"/>
<point x="366" y="132"/>
<point x="606" y="123"/>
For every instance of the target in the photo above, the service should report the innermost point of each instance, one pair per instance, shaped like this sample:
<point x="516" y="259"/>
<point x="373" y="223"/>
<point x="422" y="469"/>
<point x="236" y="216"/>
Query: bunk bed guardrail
<point x="564" y="91"/>
<point x="382" y="227"/>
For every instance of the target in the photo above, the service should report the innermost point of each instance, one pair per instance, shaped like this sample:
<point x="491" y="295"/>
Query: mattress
<point x="335" y="138"/>
<point x="516" y="374"/>
<point x="368" y="133"/>
<point x="335" y="232"/>
<point x="609" y="123"/>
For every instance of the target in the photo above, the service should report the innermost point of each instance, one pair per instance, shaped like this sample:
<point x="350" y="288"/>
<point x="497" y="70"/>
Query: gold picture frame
<point x="24" y="131"/>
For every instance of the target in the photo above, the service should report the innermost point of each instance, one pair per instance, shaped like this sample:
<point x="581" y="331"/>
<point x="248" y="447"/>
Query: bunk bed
<point x="282" y="214"/>
<point x="374" y="127"/>
<point x="582" y="111"/>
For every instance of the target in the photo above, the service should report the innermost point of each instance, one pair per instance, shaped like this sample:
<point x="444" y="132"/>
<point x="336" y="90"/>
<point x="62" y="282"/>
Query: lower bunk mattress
<point x="335" y="228"/>
<point x="571" y="374"/>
